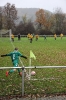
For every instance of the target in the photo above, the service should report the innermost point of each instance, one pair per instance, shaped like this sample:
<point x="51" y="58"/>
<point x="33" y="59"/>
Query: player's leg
<point x="12" y="70"/>
<point x="18" y="69"/>
<point x="15" y="63"/>
<point x="20" y="73"/>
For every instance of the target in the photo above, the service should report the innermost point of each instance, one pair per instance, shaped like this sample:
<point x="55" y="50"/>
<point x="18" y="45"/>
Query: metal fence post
<point x="22" y="81"/>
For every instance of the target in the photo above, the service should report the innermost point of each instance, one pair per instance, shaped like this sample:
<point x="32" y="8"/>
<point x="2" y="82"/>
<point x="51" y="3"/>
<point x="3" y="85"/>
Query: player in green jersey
<point x="15" y="60"/>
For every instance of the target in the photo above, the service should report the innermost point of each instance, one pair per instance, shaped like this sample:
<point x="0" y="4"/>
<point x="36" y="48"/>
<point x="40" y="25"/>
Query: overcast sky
<point x="50" y="5"/>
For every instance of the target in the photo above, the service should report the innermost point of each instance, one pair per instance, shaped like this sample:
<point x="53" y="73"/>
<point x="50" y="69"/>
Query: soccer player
<point x="31" y="38"/>
<point x="12" y="37"/>
<point x="44" y="37"/>
<point x="28" y="36"/>
<point x="19" y="36"/>
<point x="61" y="35"/>
<point x="15" y="60"/>
<point x="36" y="37"/>
<point x="55" y="36"/>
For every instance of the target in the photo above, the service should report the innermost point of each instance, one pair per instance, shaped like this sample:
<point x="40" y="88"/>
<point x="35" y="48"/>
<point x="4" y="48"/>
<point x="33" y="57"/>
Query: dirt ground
<point x="43" y="98"/>
<point x="56" y="97"/>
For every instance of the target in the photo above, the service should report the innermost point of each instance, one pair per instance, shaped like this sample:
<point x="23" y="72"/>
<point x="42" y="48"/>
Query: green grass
<point x="48" y="52"/>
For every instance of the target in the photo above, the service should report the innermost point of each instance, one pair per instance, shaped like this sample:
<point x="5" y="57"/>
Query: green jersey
<point x="15" y="57"/>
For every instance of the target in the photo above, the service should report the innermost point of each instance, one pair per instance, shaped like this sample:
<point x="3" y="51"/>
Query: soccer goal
<point x="5" y="33"/>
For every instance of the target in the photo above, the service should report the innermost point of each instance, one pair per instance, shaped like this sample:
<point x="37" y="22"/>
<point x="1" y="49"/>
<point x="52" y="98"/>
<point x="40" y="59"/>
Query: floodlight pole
<point x="22" y="81"/>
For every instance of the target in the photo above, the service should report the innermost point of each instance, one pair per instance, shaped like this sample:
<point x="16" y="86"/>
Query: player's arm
<point x="24" y="56"/>
<point x="6" y="55"/>
<point x="3" y="55"/>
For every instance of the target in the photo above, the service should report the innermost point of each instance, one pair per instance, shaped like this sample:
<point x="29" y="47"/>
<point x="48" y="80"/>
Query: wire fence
<point x="47" y="80"/>
<point x="7" y="35"/>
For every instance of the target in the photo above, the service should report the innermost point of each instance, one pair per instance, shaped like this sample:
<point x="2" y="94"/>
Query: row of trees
<point x="45" y="22"/>
<point x="55" y="23"/>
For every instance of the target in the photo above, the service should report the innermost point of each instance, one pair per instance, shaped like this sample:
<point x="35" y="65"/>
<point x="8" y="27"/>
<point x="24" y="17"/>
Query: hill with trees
<point x="29" y="12"/>
<point x="32" y="20"/>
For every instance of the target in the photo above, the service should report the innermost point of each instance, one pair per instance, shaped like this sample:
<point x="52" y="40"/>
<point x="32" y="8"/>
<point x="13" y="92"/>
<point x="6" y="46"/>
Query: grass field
<point x="48" y="52"/>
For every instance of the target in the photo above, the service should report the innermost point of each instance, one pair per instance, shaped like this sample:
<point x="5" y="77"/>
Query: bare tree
<point x="0" y="17"/>
<point x="60" y="18"/>
<point x="10" y="15"/>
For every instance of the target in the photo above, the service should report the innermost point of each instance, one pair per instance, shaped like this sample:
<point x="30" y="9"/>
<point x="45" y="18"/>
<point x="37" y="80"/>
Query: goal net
<point x="5" y="33"/>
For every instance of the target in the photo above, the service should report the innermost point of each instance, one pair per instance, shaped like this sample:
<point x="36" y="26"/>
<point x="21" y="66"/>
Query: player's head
<point x="16" y="48"/>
